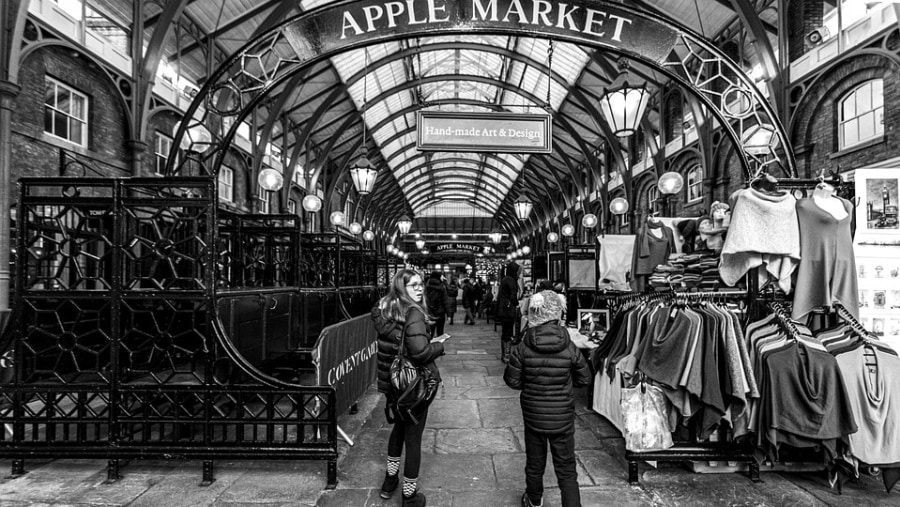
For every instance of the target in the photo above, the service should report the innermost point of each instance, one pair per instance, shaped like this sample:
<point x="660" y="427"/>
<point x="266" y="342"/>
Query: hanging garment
<point x="763" y="230"/>
<point x="827" y="271"/>
<point x="873" y="386"/>
<point x="615" y="257"/>
<point x="650" y="250"/>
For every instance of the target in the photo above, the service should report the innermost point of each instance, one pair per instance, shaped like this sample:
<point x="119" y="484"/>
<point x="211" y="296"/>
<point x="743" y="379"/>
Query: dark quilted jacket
<point x="419" y="348"/>
<point x="435" y="297"/>
<point x="544" y="366"/>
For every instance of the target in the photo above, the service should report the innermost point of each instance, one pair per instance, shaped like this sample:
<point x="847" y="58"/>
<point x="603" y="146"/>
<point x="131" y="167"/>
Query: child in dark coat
<point x="545" y="366"/>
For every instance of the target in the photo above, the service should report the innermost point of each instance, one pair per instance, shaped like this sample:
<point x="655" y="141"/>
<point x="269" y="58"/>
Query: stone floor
<point x="473" y="456"/>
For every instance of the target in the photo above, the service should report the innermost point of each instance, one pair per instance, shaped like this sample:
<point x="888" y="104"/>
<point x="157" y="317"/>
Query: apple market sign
<point x="602" y="22"/>
<point x="457" y="247"/>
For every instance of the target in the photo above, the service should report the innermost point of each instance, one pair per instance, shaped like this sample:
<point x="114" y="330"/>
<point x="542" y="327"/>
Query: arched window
<point x="861" y="114"/>
<point x="695" y="184"/>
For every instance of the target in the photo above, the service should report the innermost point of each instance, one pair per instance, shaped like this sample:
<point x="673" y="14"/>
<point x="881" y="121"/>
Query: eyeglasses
<point x="416" y="285"/>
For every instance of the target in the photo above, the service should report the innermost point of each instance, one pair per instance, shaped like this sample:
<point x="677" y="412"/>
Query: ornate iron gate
<point x="117" y="346"/>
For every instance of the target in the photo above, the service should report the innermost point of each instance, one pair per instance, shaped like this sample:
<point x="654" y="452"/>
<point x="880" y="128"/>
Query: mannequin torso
<point x="824" y="198"/>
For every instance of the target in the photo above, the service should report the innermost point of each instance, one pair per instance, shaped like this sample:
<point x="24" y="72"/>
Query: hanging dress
<point x="827" y="271"/>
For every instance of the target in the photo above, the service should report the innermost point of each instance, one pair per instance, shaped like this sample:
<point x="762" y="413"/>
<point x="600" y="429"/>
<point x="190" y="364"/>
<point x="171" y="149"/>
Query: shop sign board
<point x="345" y="356"/>
<point x="490" y="132"/>
<point x="605" y="23"/>
<point x="458" y="247"/>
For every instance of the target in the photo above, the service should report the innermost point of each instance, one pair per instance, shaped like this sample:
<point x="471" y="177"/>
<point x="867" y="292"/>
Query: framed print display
<point x="878" y="191"/>
<point x="591" y="320"/>
<point x="877" y="251"/>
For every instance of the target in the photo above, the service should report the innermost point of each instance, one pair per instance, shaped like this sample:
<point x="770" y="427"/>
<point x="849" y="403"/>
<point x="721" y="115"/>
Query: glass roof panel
<point x="452" y="209"/>
<point x="450" y="177"/>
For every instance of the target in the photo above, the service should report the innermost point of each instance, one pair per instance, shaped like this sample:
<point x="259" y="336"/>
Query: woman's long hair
<point x="396" y="303"/>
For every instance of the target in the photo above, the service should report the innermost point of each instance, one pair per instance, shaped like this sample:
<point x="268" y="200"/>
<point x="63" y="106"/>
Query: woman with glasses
<point x="402" y="311"/>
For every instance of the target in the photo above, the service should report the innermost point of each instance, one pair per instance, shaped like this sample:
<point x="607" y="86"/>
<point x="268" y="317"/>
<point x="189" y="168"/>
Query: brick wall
<point x="804" y="16"/>
<point x="36" y="153"/>
<point x="815" y="133"/>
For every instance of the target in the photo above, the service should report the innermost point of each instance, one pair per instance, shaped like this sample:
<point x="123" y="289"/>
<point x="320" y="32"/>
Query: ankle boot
<point x="504" y="352"/>
<point x="417" y="500"/>
<point x="526" y="501"/>
<point x="389" y="485"/>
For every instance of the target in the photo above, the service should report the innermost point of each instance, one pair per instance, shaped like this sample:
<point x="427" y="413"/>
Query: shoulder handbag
<point x="412" y="387"/>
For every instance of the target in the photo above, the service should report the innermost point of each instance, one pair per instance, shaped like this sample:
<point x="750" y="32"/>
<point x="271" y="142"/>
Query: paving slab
<point x="476" y="441"/>
<point x="482" y="393"/>
<point x="501" y="413"/>
<point x="361" y="472"/>
<point x="603" y="470"/>
<point x="453" y="414"/>
<point x="473" y="380"/>
<point x="619" y="497"/>
<point x="456" y="472"/>
<point x="170" y="492"/>
<point x="674" y="486"/>
<point x="510" y="469"/>
<point x="275" y="487"/>
<point x="492" y="498"/>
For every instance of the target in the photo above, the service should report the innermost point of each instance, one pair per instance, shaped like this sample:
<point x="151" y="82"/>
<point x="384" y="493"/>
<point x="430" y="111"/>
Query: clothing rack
<point x="728" y="451"/>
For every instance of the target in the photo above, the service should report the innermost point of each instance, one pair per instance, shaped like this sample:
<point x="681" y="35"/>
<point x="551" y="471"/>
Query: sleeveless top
<point x="827" y="271"/>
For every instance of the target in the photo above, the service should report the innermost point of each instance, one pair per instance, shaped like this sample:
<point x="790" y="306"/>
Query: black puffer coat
<point x="435" y="297"/>
<point x="419" y="348"/>
<point x="507" y="300"/>
<point x="544" y="366"/>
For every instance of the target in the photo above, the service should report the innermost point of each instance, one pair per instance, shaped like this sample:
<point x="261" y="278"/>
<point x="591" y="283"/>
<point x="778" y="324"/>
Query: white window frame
<point x="265" y="201"/>
<point x="226" y="184"/>
<point x="854" y="114"/>
<point x="653" y="203"/>
<point x="67" y="114"/>
<point x="292" y="206"/>
<point x="163" y="148"/>
<point x="694" y="187"/>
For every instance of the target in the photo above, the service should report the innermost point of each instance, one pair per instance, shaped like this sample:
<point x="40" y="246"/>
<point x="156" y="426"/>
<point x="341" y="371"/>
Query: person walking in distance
<point x="544" y="366"/>
<point x="401" y="312"/>
<point x="450" y="304"/>
<point x="435" y="297"/>
<point x="467" y="301"/>
<point x="507" y="303"/>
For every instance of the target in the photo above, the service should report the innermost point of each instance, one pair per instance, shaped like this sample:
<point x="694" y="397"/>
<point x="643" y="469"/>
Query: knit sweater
<point x="763" y="230"/>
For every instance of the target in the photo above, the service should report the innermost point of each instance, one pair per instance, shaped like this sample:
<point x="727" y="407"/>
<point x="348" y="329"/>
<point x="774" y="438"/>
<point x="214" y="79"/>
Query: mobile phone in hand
<point x="442" y="338"/>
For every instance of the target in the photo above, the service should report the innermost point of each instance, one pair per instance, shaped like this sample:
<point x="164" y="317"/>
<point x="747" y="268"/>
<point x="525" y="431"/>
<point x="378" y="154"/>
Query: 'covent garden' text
<point x="373" y="17"/>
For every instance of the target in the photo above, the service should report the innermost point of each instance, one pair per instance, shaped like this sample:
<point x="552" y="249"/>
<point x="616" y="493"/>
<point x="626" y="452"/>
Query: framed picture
<point x="591" y="320"/>
<point x="879" y="191"/>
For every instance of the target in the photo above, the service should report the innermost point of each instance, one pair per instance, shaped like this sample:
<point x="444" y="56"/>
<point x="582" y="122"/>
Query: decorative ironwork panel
<point x="46" y="416"/>
<point x="165" y="246"/>
<point x="175" y="418"/>
<point x="258" y="250"/>
<point x="357" y="266"/>
<point x="165" y="341"/>
<point x="318" y="264"/>
<point x="66" y="243"/>
<point x="68" y="340"/>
